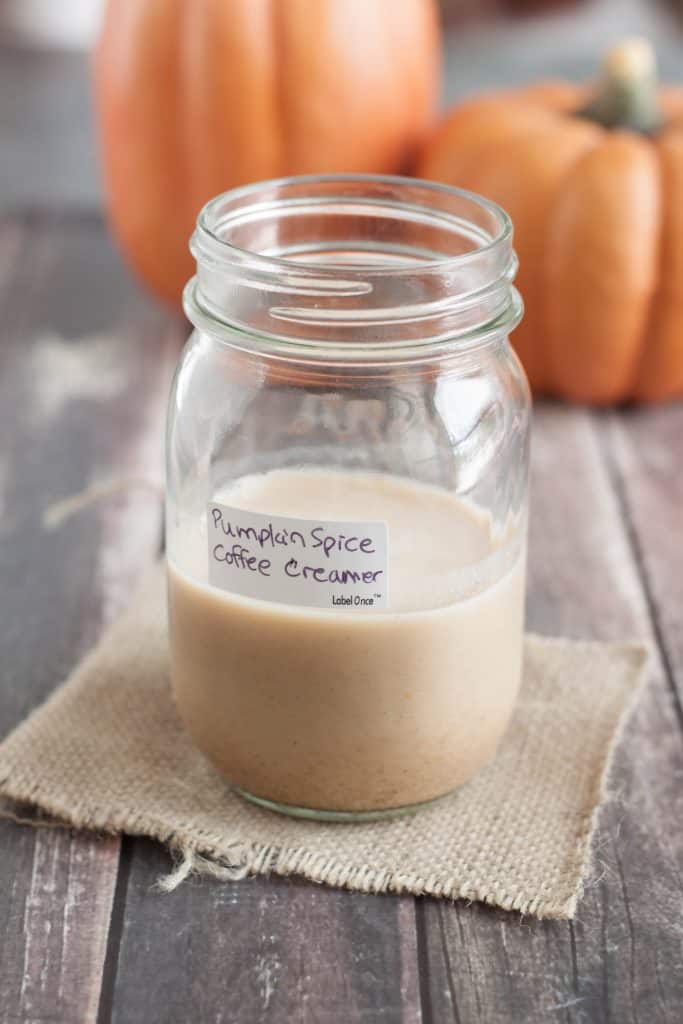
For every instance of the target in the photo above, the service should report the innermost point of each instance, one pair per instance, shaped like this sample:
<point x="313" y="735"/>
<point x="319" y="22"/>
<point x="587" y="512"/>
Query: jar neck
<point x="353" y="269"/>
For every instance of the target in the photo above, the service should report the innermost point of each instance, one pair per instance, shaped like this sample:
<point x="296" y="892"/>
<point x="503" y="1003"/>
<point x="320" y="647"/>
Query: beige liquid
<point x="350" y="710"/>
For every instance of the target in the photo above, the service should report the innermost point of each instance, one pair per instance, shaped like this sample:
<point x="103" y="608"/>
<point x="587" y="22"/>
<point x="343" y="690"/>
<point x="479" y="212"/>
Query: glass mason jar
<point x="347" y="492"/>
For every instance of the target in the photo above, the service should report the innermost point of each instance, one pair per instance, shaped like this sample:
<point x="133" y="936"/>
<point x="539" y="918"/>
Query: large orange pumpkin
<point x="197" y="96"/>
<point x="593" y="181"/>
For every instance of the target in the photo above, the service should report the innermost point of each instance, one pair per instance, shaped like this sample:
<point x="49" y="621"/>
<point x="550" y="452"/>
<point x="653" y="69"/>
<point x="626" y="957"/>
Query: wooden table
<point x="85" y="363"/>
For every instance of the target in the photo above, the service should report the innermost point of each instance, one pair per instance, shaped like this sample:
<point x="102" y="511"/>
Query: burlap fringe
<point x="191" y="862"/>
<point x="322" y="869"/>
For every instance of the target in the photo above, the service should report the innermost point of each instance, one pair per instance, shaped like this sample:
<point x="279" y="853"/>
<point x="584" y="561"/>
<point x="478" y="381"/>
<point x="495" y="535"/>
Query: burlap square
<point x="107" y="752"/>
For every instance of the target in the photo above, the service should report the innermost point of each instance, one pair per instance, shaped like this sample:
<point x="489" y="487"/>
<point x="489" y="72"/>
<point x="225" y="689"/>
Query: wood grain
<point x="81" y="392"/>
<point x="621" y="959"/>
<point x="644" y="449"/>
<point x="263" y="950"/>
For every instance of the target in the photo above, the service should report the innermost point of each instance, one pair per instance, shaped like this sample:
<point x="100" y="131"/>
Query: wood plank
<point x="84" y="366"/>
<point x="645" y="453"/>
<point x="620" y="960"/>
<point x="261" y="950"/>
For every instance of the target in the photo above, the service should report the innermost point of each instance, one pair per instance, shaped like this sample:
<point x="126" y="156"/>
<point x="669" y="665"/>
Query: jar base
<point x="350" y="817"/>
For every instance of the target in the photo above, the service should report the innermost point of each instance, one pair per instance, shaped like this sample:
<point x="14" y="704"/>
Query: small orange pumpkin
<point x="593" y="181"/>
<point x="197" y="96"/>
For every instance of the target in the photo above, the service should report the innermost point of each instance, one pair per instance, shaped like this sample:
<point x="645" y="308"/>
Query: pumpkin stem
<point x="626" y="96"/>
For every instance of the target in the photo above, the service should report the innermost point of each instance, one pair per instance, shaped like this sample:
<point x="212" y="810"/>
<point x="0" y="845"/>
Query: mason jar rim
<point x="206" y="229"/>
<point x="404" y="299"/>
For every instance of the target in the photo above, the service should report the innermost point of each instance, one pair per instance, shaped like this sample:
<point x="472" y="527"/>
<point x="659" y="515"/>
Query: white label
<point x="298" y="561"/>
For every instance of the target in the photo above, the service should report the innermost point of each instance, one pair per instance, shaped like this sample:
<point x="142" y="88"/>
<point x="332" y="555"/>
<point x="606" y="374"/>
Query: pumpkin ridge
<point x="134" y="144"/>
<point x="280" y="98"/>
<point x="548" y="382"/>
<point x="659" y="374"/>
<point x="598" y="284"/>
<point x="180" y="100"/>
